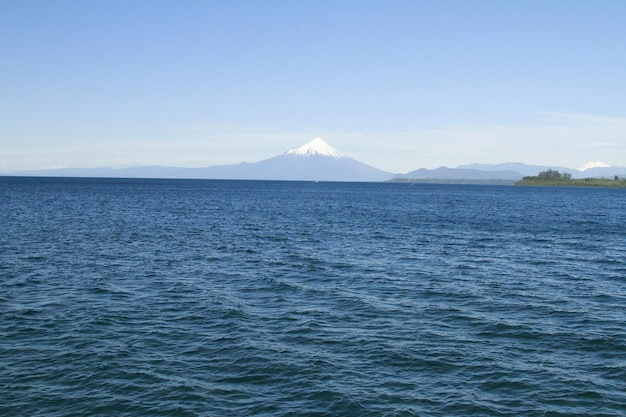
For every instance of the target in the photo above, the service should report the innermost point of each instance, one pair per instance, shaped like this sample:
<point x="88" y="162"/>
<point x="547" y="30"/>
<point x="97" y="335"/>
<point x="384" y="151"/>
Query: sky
<point x="399" y="85"/>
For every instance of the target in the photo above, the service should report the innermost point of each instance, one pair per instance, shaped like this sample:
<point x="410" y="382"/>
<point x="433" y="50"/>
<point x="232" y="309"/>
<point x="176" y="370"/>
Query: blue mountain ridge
<point x="318" y="161"/>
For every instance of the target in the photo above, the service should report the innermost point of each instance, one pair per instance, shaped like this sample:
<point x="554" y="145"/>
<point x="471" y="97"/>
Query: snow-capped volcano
<point x="316" y="147"/>
<point x="316" y="161"/>
<point x="596" y="164"/>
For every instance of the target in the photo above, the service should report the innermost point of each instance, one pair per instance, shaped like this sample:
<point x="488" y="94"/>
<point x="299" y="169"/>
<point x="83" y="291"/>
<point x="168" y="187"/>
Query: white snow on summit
<point x="596" y="164"/>
<point x="316" y="147"/>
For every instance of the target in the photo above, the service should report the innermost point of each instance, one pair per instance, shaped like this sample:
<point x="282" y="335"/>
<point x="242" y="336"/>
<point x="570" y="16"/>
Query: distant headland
<point x="555" y="178"/>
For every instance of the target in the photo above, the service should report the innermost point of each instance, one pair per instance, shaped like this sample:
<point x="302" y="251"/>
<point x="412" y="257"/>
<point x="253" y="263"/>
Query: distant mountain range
<point x="510" y="171"/>
<point x="594" y="170"/>
<point x="318" y="161"/>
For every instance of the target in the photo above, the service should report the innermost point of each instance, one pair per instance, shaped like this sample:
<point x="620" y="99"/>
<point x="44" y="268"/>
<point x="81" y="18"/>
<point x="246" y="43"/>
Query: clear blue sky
<point x="396" y="84"/>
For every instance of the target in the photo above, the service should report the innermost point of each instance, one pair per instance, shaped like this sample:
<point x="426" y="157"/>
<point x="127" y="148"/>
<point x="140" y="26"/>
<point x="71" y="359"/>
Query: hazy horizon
<point x="472" y="165"/>
<point x="398" y="85"/>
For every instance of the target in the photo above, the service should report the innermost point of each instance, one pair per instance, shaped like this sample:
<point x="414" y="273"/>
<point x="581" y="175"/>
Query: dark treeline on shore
<point x="555" y="178"/>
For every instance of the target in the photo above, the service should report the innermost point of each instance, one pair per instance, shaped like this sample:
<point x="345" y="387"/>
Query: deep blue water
<point x="252" y="298"/>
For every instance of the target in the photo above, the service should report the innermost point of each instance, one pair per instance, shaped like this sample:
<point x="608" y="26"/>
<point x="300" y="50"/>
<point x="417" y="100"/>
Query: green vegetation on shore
<point x="555" y="178"/>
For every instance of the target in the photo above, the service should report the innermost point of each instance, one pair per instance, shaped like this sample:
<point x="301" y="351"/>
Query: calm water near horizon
<point x="133" y="297"/>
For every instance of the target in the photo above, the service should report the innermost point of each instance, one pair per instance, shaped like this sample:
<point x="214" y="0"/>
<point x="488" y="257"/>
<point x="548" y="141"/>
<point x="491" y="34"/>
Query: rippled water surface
<point x="236" y="298"/>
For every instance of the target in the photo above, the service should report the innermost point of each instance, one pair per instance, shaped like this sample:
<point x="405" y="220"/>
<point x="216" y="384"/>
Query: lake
<point x="137" y="297"/>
